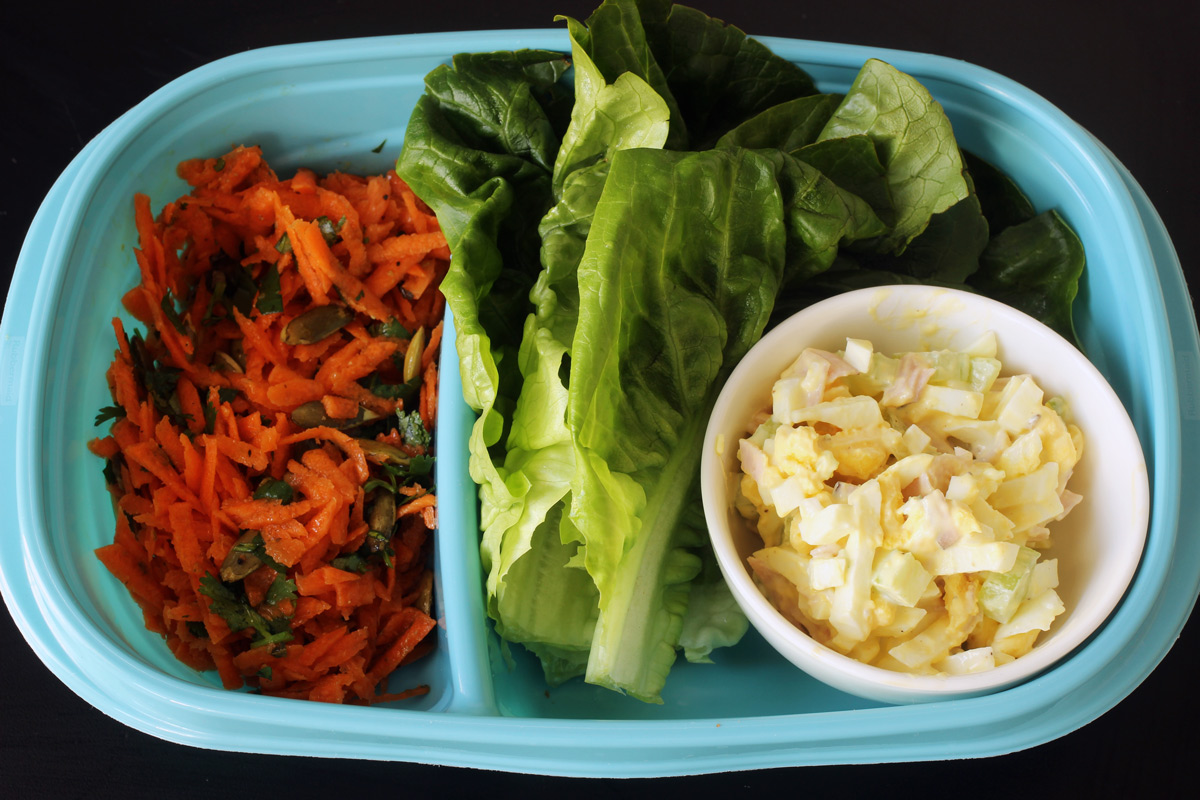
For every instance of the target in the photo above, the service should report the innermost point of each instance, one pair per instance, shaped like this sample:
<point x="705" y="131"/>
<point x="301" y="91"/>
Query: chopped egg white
<point x="904" y="502"/>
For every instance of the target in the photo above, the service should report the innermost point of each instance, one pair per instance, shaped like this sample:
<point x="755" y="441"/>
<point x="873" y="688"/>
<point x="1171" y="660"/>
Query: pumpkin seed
<point x="382" y="452"/>
<point x="227" y="362"/>
<point x="315" y="324"/>
<point x="312" y="415"/>
<point x="239" y="563"/>
<point x="381" y="518"/>
<point x="412" y="356"/>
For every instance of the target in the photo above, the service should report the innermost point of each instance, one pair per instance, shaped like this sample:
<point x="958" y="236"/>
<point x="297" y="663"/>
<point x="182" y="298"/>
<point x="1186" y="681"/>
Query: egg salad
<point x="905" y="502"/>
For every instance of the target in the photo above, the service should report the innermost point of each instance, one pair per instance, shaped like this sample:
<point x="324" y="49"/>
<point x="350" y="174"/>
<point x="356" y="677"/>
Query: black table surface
<point x="1125" y="71"/>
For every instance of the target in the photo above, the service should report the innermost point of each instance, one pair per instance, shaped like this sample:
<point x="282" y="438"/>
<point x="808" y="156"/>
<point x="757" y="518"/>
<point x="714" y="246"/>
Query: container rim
<point x="1016" y="717"/>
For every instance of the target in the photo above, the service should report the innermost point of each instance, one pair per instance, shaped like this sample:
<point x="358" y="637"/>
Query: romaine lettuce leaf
<point x="680" y="272"/>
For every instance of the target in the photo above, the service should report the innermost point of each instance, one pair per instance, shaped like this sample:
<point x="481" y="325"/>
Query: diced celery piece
<point x="1060" y="406"/>
<point x="949" y="366"/>
<point x="881" y="371"/>
<point x="984" y="372"/>
<point x="1002" y="593"/>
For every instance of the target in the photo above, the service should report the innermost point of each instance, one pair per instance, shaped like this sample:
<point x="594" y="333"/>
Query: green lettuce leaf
<point x="915" y="143"/>
<point x="680" y="273"/>
<point x="609" y="270"/>
<point x="1035" y="266"/>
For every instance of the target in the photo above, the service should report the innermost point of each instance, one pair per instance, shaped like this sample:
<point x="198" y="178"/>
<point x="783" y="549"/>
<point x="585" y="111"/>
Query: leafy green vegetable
<point x="645" y="370"/>
<point x="914" y="141"/>
<point x="787" y="126"/>
<point x="1035" y="266"/>
<point x="1002" y="201"/>
<point x="616" y="249"/>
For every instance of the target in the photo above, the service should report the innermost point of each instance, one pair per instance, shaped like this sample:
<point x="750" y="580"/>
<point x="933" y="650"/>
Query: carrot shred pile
<point x="274" y="501"/>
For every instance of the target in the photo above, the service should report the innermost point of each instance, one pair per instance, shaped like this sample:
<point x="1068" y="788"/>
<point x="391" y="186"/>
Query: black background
<point x="1124" y="70"/>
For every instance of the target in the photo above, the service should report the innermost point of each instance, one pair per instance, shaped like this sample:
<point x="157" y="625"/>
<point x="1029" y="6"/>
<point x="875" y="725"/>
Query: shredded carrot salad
<point x="270" y="451"/>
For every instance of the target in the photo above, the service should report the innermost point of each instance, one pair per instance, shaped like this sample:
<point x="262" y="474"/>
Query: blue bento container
<point x="329" y="106"/>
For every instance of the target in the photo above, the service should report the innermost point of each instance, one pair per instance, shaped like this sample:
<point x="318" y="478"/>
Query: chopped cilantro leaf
<point x="379" y="149"/>
<point x="109" y="412"/>
<point x="235" y="609"/>
<point x="280" y="589"/>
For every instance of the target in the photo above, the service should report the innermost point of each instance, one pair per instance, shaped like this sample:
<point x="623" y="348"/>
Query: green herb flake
<point x="412" y="429"/>
<point x="270" y="301"/>
<point x="391" y="329"/>
<point x="224" y="395"/>
<point x="393" y="391"/>
<point x="352" y="562"/>
<point x="109" y="412"/>
<point x="329" y="231"/>
<point x="265" y="673"/>
<point x="379" y="149"/>
<point x="235" y="609"/>
<point x="284" y="244"/>
<point x="280" y="589"/>
<point x="219" y="164"/>
<point x="110" y="473"/>
<point x="272" y="489"/>
<point x="174" y="317"/>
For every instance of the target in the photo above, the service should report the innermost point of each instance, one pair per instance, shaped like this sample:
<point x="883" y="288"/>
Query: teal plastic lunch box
<point x="329" y="106"/>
